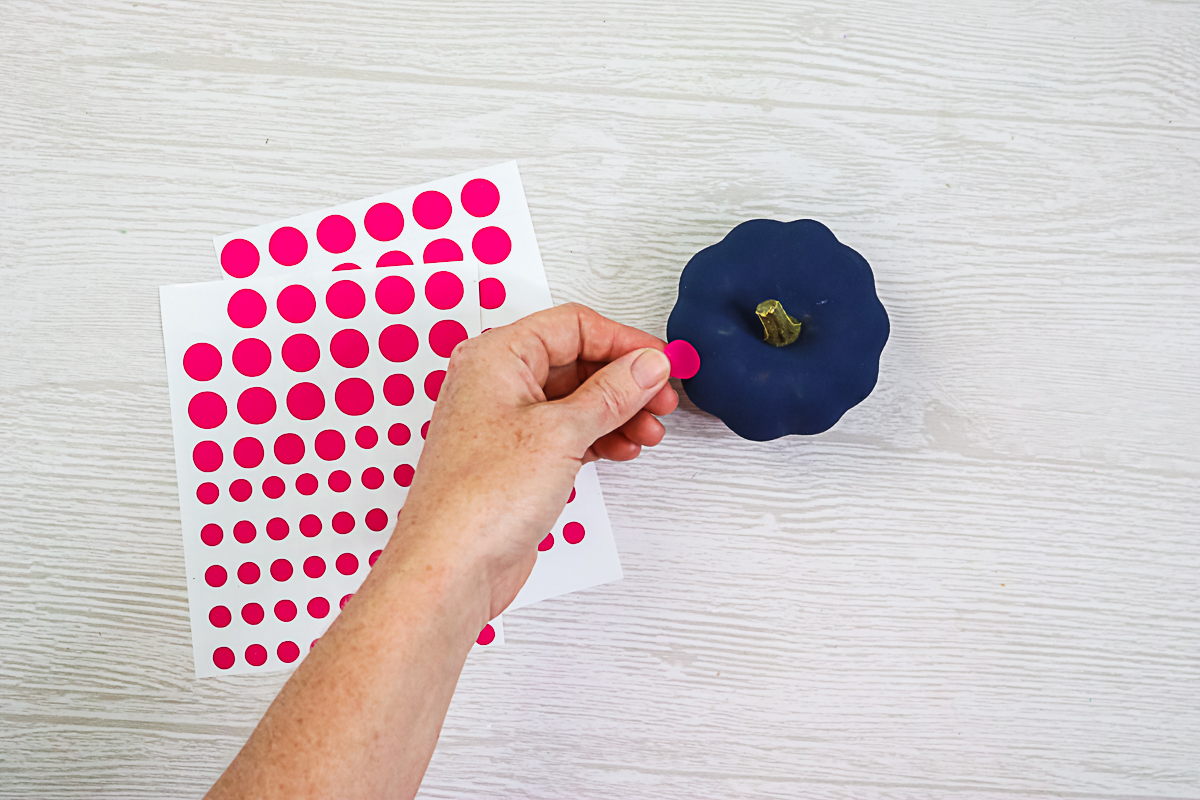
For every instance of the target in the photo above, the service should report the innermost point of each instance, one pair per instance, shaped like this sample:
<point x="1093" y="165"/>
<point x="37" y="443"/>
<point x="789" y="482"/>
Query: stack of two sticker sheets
<point x="301" y="390"/>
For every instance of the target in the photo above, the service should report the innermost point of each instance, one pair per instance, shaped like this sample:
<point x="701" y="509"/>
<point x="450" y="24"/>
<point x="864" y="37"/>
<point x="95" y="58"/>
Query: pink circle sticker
<point x="256" y="655"/>
<point x="220" y="617"/>
<point x="486" y="636"/>
<point x="207" y="410"/>
<point x="445" y="335"/>
<point x="211" y="534"/>
<point x="343" y="522"/>
<point x="685" y="361"/>
<point x="398" y="390"/>
<point x="480" y="197"/>
<point x="384" y="222"/>
<point x="244" y="531"/>
<point x="207" y="493"/>
<point x="281" y="569"/>
<point x="246" y="308"/>
<point x="301" y="352"/>
<point x="249" y="573"/>
<point x="252" y="613"/>
<point x="305" y="401"/>
<point x="347" y="265"/>
<point x="306" y="484"/>
<point x="377" y="518"/>
<point x="215" y="576"/>
<point x="285" y="611"/>
<point x="318" y="608"/>
<point x="394" y="258"/>
<point x="404" y="475"/>
<point x="366" y="437"/>
<point x="223" y="657"/>
<point x="339" y="481"/>
<point x="347" y="563"/>
<point x="296" y="304"/>
<point x="330" y="445"/>
<point x="248" y="452"/>
<point x="398" y="343"/>
<point x="573" y="532"/>
<point x="288" y="246"/>
<point x="345" y="299"/>
<point x="372" y="478"/>
<point x="491" y="293"/>
<point x="202" y="362"/>
<point x="443" y="290"/>
<point x="288" y="651"/>
<point x="335" y="234"/>
<point x="432" y="210"/>
<point x="277" y="529"/>
<point x="289" y="448"/>
<point x="547" y="543"/>
<point x="354" y="397"/>
<point x="251" y="357"/>
<point x="349" y="348"/>
<point x="491" y="245"/>
<point x="207" y="456"/>
<point x="399" y="434"/>
<point x="239" y="258"/>
<point x="240" y="490"/>
<point x="374" y="557"/>
<point x="256" y="405"/>
<point x="274" y="487"/>
<point x="442" y="251"/>
<point x="394" y="295"/>
<point x="433" y="383"/>
<point x="314" y="566"/>
<point x="310" y="525"/>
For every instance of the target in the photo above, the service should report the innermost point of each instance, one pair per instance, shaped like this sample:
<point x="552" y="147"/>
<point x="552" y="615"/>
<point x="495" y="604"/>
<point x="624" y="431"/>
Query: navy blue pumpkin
<point x="823" y="290"/>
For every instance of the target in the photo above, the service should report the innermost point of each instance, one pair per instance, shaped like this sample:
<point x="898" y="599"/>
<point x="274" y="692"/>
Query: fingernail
<point x="650" y="368"/>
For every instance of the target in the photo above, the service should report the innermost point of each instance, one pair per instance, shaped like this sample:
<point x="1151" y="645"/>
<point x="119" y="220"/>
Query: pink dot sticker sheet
<point x="479" y="217"/>
<point x="299" y="408"/>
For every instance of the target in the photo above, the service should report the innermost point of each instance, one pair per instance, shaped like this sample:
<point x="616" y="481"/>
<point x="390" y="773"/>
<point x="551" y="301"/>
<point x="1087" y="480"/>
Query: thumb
<point x="611" y="397"/>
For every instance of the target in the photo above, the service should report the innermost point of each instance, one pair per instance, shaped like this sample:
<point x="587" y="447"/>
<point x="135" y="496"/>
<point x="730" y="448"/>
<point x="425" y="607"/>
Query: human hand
<point x="522" y="408"/>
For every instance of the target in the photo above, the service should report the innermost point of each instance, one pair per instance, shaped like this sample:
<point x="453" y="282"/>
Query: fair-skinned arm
<point x="523" y="407"/>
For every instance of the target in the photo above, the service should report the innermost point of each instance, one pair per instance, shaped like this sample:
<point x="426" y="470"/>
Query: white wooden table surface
<point x="983" y="583"/>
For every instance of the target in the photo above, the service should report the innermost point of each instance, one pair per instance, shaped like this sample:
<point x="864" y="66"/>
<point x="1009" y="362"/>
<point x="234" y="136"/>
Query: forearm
<point x="361" y="716"/>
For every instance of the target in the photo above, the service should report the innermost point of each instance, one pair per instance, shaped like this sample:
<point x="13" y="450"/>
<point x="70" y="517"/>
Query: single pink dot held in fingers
<point x="404" y="474"/>
<point x="343" y="522"/>
<point x="491" y="293"/>
<point x="443" y="290"/>
<point x="215" y="576"/>
<point x="289" y="448"/>
<point x="314" y="566"/>
<point x="306" y="401"/>
<point x="432" y="210"/>
<point x="394" y="295"/>
<point x="207" y="456"/>
<point x="442" y="251"/>
<point x="547" y="543"/>
<point x="220" y="617"/>
<point x="372" y="478"/>
<point x="573" y="532"/>
<point x="486" y="636"/>
<point x="244" y="532"/>
<point x="207" y="410"/>
<point x="347" y="563"/>
<point x="377" y="518"/>
<point x="394" y="258"/>
<point x="433" y="383"/>
<point x="384" y="222"/>
<point x="339" y="481"/>
<point x="296" y="304"/>
<point x="251" y="357"/>
<point x="349" y="348"/>
<point x="240" y="490"/>
<point x="318" y="608"/>
<point x="398" y="389"/>
<point x="202" y="361"/>
<point x="399" y="434"/>
<point x="491" y="245"/>
<point x="398" y="343"/>
<point x="345" y="299"/>
<point x="223" y="658"/>
<point x="445" y="335"/>
<point x="248" y="452"/>
<point x="330" y="445"/>
<point x="252" y="613"/>
<point x="277" y="529"/>
<point x="354" y="397"/>
<point x="366" y="437"/>
<point x="207" y="493"/>
<point x="285" y="611"/>
<point x="335" y="234"/>
<point x="301" y="352"/>
<point x="306" y="485"/>
<point x="256" y="655"/>
<point x="287" y="652"/>
<point x="685" y="361"/>
<point x="211" y="534"/>
<point x="480" y="197"/>
<point x="288" y="246"/>
<point x="246" y="308"/>
<point x="274" y="487"/>
<point x="256" y="405"/>
<point x="281" y="569"/>
<point x="310" y="525"/>
<point x="239" y="258"/>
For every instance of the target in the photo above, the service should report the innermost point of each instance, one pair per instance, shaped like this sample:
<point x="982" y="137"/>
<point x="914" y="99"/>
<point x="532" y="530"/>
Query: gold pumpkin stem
<point x="779" y="328"/>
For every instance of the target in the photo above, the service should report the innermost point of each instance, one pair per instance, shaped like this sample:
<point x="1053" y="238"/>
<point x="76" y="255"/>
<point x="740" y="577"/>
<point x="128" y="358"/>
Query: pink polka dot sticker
<point x="288" y="246"/>
<point x="403" y="475"/>
<point x="289" y="448"/>
<point x="211" y="534"/>
<point x="310" y="525"/>
<point x="285" y="611"/>
<point x="491" y="245"/>
<point x="318" y="607"/>
<point x="384" y="222"/>
<point x="398" y="343"/>
<point x="432" y="210"/>
<point x="244" y="531"/>
<point x="202" y="362"/>
<point x="399" y="434"/>
<point x="425" y="429"/>
<point x="354" y="397"/>
<point x="442" y="251"/>
<point x="345" y="299"/>
<point x="274" y="487"/>
<point x="251" y="357"/>
<point x="572" y="497"/>
<point x="281" y="569"/>
<point x="215" y="576"/>
<point x="377" y="518"/>
<point x="207" y="493"/>
<point x="486" y="636"/>
<point x="239" y="258"/>
<point x="443" y="290"/>
<point x="366" y="437"/>
<point x="335" y="234"/>
<point x="398" y="389"/>
<point x="306" y="485"/>
<point x="347" y="563"/>
<point x="256" y="655"/>
<point x="573" y="533"/>
<point x="207" y="410"/>
<point x="343" y="522"/>
<point x="685" y="361"/>
<point x="249" y="573"/>
<point x="330" y="445"/>
<point x="372" y="478"/>
<point x="220" y="617"/>
<point x="256" y="405"/>
<point x="346" y="266"/>
<point x="248" y="452"/>
<point x="246" y="308"/>
<point x="433" y="383"/>
<point x="287" y="652"/>
<point x="301" y="352"/>
<point x="547" y="543"/>
<point x="345" y="599"/>
<point x="207" y="456"/>
<point x="240" y="490"/>
<point x="394" y="295"/>
<point x="445" y="335"/>
<point x="393" y="258"/>
<point x="296" y="304"/>
<point x="349" y="348"/>
<point x="491" y="293"/>
<point x="374" y="557"/>
<point x="252" y="613"/>
<point x="480" y="197"/>
<point x="306" y="401"/>
<point x="314" y="566"/>
<point x="339" y="481"/>
<point x="277" y="529"/>
<point x="223" y="657"/>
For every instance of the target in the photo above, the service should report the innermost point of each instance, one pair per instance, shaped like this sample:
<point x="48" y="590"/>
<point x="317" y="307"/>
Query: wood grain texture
<point x="981" y="584"/>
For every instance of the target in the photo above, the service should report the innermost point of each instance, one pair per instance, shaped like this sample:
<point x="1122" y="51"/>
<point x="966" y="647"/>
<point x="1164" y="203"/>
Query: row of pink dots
<point x="307" y="484"/>
<point x="306" y="401"/>
<point x="284" y="610"/>
<point x="289" y="448"/>
<point x="288" y="652"/>
<point x="349" y="348"/>
<point x="281" y="569"/>
<point x="383" y="222"/>
<point x="277" y="528"/>
<point x="345" y="299"/>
